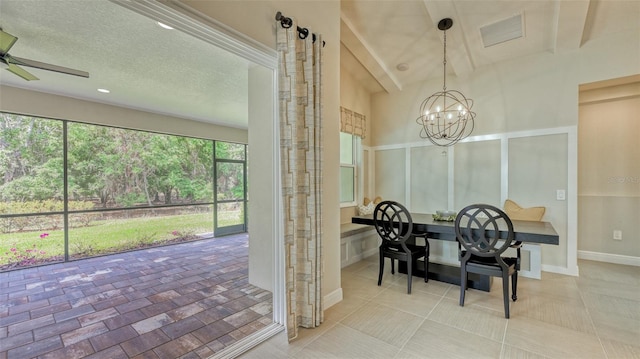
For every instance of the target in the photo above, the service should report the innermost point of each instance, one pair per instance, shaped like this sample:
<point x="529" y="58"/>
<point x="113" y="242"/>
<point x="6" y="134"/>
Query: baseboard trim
<point x="609" y="258"/>
<point x="560" y="270"/>
<point x="332" y="298"/>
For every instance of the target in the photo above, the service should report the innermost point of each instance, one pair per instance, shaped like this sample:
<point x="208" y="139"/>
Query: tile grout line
<point x="593" y="325"/>
<point x="442" y="297"/>
<point x="504" y="339"/>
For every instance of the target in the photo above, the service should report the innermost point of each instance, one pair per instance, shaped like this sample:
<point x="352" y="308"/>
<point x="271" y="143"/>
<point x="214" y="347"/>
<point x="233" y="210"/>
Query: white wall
<point x="263" y="201"/>
<point x="527" y="113"/>
<point x="354" y="96"/>
<point x="609" y="172"/>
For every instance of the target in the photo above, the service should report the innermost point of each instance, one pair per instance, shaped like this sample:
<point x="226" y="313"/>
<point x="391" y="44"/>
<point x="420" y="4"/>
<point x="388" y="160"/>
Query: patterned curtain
<point x="300" y="88"/>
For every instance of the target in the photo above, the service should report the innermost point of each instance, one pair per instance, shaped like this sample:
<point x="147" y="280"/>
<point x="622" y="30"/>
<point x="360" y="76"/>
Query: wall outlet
<point x="560" y="195"/>
<point x="617" y="235"/>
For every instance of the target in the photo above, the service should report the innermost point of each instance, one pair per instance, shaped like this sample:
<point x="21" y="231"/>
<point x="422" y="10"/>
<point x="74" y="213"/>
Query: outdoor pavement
<point x="187" y="300"/>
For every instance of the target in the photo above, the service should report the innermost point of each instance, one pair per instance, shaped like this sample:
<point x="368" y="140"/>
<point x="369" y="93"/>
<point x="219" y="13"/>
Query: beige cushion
<point x="368" y="205"/>
<point x="368" y="209"/>
<point x="517" y="213"/>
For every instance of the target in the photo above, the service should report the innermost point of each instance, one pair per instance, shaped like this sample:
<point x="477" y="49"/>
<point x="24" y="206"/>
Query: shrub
<point x="17" y="257"/>
<point x="19" y="224"/>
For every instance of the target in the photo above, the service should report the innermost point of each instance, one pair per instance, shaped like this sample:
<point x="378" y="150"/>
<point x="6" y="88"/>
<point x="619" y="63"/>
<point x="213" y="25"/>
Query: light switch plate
<point x="560" y="195"/>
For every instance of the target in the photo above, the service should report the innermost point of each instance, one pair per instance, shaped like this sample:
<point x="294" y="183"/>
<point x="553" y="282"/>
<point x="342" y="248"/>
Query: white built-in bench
<point x="357" y="241"/>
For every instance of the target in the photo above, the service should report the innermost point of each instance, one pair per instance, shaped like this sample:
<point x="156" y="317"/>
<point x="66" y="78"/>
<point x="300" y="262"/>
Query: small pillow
<point x="377" y="200"/>
<point x="366" y="201"/>
<point x="368" y="209"/>
<point x="517" y="213"/>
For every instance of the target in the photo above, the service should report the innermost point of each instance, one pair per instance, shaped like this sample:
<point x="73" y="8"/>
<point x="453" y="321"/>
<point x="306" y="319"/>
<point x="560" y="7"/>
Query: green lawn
<point x="106" y="236"/>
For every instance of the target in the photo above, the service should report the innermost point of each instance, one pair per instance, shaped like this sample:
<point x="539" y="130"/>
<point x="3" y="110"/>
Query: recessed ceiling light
<point x="402" y="67"/>
<point x="165" y="26"/>
<point x="103" y="90"/>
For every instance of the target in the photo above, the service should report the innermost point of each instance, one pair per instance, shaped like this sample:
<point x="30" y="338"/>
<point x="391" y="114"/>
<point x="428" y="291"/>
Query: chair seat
<point x="415" y="249"/>
<point x="490" y="261"/>
<point x="489" y="266"/>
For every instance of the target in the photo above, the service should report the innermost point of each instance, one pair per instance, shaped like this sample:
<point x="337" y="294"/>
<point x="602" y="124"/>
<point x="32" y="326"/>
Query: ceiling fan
<point x="13" y="62"/>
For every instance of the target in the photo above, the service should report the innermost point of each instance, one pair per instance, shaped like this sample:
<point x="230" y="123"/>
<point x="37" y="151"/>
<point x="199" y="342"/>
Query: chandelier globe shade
<point x="446" y="116"/>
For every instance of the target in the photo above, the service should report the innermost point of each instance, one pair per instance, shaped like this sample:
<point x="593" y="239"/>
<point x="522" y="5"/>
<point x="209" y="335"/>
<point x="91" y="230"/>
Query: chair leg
<point x="381" y="268"/>
<point x="514" y="286"/>
<point x="463" y="284"/>
<point x="505" y="293"/>
<point x="409" y="274"/>
<point x="426" y="263"/>
<point x="393" y="264"/>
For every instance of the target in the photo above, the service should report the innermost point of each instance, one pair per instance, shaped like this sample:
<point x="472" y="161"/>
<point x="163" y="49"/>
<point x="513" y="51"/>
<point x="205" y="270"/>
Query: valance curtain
<point x="353" y="123"/>
<point x="300" y="89"/>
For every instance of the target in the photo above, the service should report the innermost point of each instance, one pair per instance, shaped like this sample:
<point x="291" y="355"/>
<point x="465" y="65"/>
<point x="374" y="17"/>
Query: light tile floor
<point x="595" y="315"/>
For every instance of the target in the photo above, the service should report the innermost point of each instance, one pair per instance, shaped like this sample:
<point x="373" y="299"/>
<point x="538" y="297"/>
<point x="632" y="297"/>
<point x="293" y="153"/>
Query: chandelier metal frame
<point x="446" y="116"/>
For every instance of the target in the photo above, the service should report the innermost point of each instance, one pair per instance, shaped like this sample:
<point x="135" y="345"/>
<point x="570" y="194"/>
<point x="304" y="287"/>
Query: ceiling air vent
<point x="502" y="31"/>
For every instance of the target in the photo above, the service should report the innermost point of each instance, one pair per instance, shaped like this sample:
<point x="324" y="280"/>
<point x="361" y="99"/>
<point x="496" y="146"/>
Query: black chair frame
<point x="484" y="233"/>
<point x="394" y="225"/>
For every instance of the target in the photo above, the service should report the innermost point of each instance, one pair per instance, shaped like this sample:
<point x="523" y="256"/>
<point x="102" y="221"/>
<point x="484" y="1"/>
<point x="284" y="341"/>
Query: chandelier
<point x="446" y="116"/>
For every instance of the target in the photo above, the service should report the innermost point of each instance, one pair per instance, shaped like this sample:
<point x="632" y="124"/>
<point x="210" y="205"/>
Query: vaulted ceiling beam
<point x="458" y="56"/>
<point x="570" y="20"/>
<point x="355" y="43"/>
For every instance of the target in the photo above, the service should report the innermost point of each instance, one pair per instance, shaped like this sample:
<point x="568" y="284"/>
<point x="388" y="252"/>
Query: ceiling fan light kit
<point x="446" y="116"/>
<point x="14" y="63"/>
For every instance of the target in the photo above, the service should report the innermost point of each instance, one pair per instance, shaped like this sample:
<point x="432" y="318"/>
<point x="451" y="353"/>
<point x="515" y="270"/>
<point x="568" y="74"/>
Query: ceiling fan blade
<point x="6" y="41"/>
<point x="21" y="72"/>
<point x="49" y="67"/>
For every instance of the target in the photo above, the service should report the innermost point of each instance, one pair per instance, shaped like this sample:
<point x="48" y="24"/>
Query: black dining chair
<point x="483" y="233"/>
<point x="394" y="224"/>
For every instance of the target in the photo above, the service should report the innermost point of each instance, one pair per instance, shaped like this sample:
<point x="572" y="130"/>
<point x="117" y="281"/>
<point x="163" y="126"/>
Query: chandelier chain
<point x="444" y="62"/>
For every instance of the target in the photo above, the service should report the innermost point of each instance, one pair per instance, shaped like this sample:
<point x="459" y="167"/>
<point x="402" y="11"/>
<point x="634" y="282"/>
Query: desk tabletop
<point x="525" y="231"/>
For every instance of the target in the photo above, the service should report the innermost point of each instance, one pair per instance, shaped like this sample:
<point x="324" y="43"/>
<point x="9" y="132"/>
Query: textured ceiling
<point x="381" y="34"/>
<point x="143" y="65"/>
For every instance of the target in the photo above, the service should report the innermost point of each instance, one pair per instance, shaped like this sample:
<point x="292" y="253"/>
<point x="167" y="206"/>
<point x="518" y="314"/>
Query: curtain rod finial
<point x="284" y="21"/>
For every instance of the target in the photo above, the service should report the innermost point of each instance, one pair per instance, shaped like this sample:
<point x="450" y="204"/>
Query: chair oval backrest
<point x="392" y="221"/>
<point x="484" y="230"/>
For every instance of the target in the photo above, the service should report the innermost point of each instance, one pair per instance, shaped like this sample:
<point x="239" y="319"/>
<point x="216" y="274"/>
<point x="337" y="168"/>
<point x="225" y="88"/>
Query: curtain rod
<point x="303" y="32"/>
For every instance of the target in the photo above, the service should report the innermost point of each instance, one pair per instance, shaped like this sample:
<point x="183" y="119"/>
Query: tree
<point x="90" y="153"/>
<point x="30" y="158"/>
<point x="113" y="166"/>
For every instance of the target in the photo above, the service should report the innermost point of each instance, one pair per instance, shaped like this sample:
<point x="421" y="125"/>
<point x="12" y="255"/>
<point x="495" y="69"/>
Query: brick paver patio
<point x="186" y="300"/>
